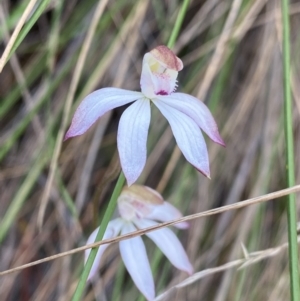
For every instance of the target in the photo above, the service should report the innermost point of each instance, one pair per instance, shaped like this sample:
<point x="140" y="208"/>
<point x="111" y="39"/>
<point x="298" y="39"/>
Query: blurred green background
<point x="232" y="58"/>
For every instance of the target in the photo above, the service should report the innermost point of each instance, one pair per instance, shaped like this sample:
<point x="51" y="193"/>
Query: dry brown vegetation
<point x="233" y="62"/>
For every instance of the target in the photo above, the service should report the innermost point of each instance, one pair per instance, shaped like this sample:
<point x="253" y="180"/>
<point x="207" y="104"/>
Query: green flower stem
<point x="290" y="171"/>
<point x="113" y="200"/>
<point x="178" y="24"/>
<point x="107" y="217"/>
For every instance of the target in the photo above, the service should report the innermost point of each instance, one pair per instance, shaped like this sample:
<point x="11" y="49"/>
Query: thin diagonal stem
<point x="107" y="216"/>
<point x="290" y="171"/>
<point x="178" y="24"/>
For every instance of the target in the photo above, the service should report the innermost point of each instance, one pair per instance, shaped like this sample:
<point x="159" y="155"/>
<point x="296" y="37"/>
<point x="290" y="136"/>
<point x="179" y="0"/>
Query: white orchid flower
<point x="141" y="207"/>
<point x="185" y="114"/>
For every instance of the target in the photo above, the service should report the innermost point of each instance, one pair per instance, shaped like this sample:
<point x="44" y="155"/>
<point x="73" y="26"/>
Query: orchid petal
<point x="196" y="110"/>
<point x="132" y="139"/>
<point x="168" y="243"/>
<point x="188" y="136"/>
<point x="112" y="230"/>
<point x="167" y="212"/>
<point x="96" y="105"/>
<point x="135" y="258"/>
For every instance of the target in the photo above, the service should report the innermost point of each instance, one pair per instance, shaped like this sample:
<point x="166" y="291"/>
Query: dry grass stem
<point x="16" y="32"/>
<point x="242" y="204"/>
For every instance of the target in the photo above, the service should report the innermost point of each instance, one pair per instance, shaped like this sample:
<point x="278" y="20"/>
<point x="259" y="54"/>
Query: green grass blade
<point x="178" y="23"/>
<point x="23" y="192"/>
<point x="38" y="12"/>
<point x="290" y="169"/>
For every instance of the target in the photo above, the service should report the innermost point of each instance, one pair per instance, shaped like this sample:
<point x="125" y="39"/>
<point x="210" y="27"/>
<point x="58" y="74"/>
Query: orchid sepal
<point x="96" y="105"/>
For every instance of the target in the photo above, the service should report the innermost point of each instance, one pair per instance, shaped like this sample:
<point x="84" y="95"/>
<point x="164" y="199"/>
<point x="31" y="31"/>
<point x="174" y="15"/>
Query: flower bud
<point x="138" y="201"/>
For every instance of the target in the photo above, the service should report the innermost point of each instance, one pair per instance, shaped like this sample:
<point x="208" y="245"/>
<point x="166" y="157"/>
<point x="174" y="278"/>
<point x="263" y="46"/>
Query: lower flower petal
<point x="113" y="229"/>
<point x="196" y="110"/>
<point x="135" y="258"/>
<point x="167" y="212"/>
<point x="96" y="105"/>
<point x="188" y="136"/>
<point x="169" y="244"/>
<point x="132" y="139"/>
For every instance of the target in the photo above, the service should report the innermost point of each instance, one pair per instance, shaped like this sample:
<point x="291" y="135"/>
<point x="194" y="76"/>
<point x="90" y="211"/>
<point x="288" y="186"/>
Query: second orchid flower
<point x="141" y="207"/>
